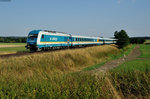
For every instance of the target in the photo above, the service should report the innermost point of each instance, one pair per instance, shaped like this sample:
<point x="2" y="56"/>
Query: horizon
<point x="86" y="17"/>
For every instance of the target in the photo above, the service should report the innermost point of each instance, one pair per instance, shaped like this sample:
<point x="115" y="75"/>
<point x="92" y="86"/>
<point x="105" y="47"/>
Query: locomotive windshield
<point x="33" y="36"/>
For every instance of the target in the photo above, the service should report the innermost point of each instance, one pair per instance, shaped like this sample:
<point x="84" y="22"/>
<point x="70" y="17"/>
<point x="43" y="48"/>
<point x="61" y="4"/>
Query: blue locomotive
<point x="45" y="40"/>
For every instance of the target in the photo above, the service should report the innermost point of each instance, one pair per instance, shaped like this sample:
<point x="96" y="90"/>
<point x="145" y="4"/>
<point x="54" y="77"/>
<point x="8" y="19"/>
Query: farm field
<point x="61" y="75"/>
<point x="8" y="48"/>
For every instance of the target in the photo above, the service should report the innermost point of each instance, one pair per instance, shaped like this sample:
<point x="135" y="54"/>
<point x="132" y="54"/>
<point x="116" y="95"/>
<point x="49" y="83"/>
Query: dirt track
<point x="114" y="63"/>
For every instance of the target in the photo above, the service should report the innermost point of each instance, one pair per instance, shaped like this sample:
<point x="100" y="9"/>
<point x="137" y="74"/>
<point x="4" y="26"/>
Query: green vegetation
<point x="94" y="66"/>
<point x="131" y="83"/>
<point x="122" y="38"/>
<point x="145" y="51"/>
<point x="78" y="85"/>
<point x="134" y="65"/>
<point x="137" y="40"/>
<point x="60" y="75"/>
<point x="132" y="79"/>
<point x="12" y="49"/>
<point x="123" y="52"/>
<point x="6" y="48"/>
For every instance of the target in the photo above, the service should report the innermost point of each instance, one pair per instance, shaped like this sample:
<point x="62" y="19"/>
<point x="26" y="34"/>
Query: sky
<point x="78" y="17"/>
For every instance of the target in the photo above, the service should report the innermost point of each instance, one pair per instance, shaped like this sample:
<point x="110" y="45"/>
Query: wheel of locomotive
<point x="33" y="50"/>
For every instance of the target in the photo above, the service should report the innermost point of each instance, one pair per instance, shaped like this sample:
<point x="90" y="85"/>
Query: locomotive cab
<point x="32" y="41"/>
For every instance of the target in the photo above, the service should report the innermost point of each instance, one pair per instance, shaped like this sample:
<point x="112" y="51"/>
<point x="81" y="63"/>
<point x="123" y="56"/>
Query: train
<point x="38" y="40"/>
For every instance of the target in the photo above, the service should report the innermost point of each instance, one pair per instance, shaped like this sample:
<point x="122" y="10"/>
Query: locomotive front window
<point x="33" y="36"/>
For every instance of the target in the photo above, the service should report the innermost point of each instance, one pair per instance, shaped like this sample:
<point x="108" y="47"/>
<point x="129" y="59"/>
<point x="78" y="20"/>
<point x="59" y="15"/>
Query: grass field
<point x="135" y="65"/>
<point x="7" y="48"/>
<point x="145" y="51"/>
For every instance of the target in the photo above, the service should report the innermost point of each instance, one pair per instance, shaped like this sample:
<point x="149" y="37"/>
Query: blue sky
<point x="79" y="17"/>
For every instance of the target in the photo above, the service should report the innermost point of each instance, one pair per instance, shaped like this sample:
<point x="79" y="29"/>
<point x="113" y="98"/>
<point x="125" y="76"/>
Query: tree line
<point x="13" y="39"/>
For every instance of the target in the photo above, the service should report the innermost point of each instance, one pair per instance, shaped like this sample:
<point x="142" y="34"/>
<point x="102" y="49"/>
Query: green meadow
<point x="145" y="50"/>
<point x="7" y="48"/>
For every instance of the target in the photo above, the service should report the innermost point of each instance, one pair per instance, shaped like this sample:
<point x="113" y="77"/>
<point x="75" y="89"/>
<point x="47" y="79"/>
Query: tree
<point x="122" y="38"/>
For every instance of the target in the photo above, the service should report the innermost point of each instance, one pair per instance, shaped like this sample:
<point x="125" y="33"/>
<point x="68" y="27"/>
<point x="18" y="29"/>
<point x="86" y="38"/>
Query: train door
<point x="70" y="39"/>
<point x="43" y="39"/>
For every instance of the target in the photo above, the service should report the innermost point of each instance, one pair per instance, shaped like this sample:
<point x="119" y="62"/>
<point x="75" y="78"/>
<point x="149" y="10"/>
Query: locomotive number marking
<point x="53" y="38"/>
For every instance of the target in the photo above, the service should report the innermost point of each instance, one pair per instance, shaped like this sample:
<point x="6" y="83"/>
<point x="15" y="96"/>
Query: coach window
<point x="42" y="36"/>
